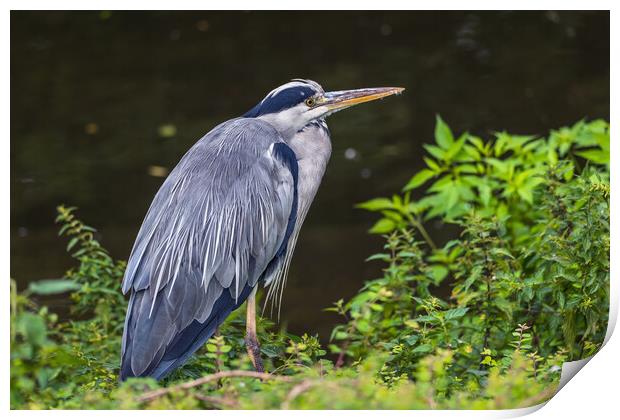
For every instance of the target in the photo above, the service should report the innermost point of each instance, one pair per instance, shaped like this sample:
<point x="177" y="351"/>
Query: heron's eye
<point x="310" y="102"/>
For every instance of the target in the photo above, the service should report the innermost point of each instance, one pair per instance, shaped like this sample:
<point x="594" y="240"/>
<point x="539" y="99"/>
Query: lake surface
<point x="105" y="103"/>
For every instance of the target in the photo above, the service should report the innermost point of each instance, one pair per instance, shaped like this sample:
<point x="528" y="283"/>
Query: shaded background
<point x="103" y="104"/>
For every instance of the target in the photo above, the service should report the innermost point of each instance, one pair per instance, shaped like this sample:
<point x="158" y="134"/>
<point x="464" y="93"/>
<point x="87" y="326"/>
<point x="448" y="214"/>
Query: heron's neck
<point x="312" y="146"/>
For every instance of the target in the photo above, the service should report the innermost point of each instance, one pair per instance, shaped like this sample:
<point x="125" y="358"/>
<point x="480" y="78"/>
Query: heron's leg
<point x="251" y="340"/>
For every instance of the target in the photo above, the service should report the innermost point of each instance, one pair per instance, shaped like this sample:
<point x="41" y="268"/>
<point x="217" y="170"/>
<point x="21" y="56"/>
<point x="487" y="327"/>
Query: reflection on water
<point x="104" y="104"/>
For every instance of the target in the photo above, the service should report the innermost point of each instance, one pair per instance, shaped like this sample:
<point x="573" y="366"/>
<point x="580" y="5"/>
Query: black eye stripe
<point x="282" y="100"/>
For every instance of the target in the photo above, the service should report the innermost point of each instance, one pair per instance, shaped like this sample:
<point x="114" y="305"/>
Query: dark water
<point x="100" y="101"/>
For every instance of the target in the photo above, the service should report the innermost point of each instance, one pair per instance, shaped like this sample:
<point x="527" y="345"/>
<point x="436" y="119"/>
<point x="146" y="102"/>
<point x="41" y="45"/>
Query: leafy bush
<point x="78" y="355"/>
<point x="483" y="321"/>
<point x="532" y="258"/>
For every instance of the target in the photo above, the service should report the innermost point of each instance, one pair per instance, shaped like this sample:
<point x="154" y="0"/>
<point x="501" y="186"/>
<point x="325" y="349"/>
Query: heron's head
<point x="294" y="105"/>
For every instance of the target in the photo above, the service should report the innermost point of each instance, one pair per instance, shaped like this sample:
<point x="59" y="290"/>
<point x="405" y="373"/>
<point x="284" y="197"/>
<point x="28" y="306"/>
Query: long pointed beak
<point x="341" y="99"/>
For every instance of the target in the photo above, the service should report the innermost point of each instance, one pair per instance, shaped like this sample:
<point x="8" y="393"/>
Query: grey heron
<point x="224" y="222"/>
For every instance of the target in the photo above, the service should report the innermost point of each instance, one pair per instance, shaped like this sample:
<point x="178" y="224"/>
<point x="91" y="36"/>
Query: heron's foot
<point x="253" y="348"/>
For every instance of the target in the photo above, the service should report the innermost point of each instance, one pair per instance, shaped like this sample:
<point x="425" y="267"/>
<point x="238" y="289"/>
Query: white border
<point x="592" y="392"/>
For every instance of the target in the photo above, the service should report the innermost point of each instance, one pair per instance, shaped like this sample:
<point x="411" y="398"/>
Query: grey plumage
<point x="224" y="221"/>
<point x="213" y="227"/>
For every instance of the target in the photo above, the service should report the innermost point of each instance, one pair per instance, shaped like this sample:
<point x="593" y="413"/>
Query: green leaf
<point x="442" y="184"/>
<point x="443" y="134"/>
<point x="431" y="164"/>
<point x="455" y="313"/>
<point x="362" y="325"/>
<point x="53" y="286"/>
<point x="472" y="152"/>
<point x="502" y="140"/>
<point x="476" y="141"/>
<point x="383" y="226"/>
<point x="269" y="352"/>
<point x="452" y="196"/>
<point x="419" y="179"/>
<point x="423" y="348"/>
<point x="501" y="166"/>
<point x="43" y="377"/>
<point x="435" y="151"/>
<point x="341" y="335"/>
<point x="72" y="243"/>
<point x="376" y="204"/>
<point x="383" y="257"/>
<point x="473" y="276"/>
<point x="412" y="339"/>
<point x="456" y="147"/>
<point x="526" y="194"/>
<point x="596" y="156"/>
<point x="485" y="194"/>
<point x="561" y="299"/>
<point x="426" y="318"/>
<point x="33" y="328"/>
<point x="502" y="251"/>
<point x="438" y="273"/>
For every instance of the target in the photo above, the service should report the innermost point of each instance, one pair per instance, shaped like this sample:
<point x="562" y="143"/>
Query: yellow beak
<point x="341" y="99"/>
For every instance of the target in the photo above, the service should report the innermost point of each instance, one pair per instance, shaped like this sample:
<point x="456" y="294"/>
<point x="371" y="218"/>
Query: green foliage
<point x="81" y="354"/>
<point x="484" y="321"/>
<point x="529" y="272"/>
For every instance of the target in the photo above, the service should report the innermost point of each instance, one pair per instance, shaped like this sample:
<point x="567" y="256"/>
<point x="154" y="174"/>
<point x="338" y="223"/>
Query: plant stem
<point x="416" y="223"/>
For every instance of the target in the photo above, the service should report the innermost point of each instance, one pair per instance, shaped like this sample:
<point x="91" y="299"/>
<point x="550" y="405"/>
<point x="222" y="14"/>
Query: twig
<point x="148" y="396"/>
<point x="340" y="361"/>
<point x="539" y="398"/>
<point x="301" y="387"/>
<point x="217" y="401"/>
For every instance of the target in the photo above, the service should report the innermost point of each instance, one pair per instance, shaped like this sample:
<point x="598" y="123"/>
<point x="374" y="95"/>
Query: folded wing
<point x="218" y="221"/>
